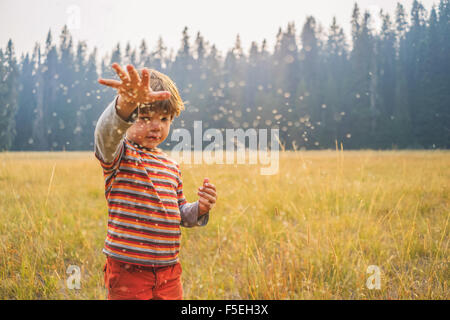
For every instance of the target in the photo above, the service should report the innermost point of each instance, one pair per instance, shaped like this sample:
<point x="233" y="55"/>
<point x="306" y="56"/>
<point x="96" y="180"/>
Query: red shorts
<point x="126" y="281"/>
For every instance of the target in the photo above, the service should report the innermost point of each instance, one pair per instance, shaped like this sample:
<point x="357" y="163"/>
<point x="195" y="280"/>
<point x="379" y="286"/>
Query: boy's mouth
<point x="153" y="137"/>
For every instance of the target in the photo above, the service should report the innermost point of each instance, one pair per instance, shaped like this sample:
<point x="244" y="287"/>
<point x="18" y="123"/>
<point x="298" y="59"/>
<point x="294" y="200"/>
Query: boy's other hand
<point x="134" y="89"/>
<point x="207" y="197"/>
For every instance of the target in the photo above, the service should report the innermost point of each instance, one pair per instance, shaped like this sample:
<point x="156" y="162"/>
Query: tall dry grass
<point x="308" y="232"/>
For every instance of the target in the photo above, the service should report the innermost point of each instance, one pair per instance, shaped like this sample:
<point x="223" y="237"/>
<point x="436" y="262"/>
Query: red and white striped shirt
<point x="144" y="192"/>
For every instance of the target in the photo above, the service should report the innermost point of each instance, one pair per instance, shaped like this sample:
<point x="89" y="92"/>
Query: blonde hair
<point x="161" y="82"/>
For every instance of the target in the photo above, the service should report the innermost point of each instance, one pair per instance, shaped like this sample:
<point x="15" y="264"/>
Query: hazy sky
<point x="104" y="23"/>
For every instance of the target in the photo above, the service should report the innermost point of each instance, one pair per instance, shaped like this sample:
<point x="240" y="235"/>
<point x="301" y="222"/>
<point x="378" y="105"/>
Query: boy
<point x="143" y="188"/>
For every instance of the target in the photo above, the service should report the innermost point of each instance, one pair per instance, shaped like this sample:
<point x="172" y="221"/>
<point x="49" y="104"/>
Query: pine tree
<point x="9" y="90"/>
<point x="45" y="86"/>
<point x="144" y="57"/>
<point x="442" y="69"/>
<point x="107" y="72"/>
<point x="401" y="118"/>
<point x="308" y="89"/>
<point x="362" y="97"/>
<point x="64" y="129"/>
<point x="159" y="58"/>
<point x="92" y="106"/>
<point x="415" y="46"/>
<point x="198" y="91"/>
<point x="386" y="82"/>
<point x="334" y="107"/>
<point x="235" y="70"/>
<point x="79" y="90"/>
<point x="183" y="64"/>
<point x="26" y="104"/>
<point x="215" y="95"/>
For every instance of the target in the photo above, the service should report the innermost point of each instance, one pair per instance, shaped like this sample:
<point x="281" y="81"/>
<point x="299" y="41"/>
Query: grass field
<point x="309" y="232"/>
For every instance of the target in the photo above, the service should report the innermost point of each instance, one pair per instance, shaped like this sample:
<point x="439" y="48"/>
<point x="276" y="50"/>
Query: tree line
<point x="378" y="89"/>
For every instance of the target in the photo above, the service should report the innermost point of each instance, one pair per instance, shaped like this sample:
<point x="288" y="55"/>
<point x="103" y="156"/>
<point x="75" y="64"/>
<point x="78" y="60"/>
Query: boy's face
<point x="150" y="129"/>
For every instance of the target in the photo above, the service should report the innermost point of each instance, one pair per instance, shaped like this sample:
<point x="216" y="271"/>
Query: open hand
<point x="207" y="197"/>
<point x="133" y="89"/>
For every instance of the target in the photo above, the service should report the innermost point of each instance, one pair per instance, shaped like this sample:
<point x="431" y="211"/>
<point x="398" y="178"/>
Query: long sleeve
<point x="189" y="211"/>
<point x="108" y="137"/>
<point x="189" y="216"/>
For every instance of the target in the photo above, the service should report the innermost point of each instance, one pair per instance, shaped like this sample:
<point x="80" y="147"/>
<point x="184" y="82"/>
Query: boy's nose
<point x="154" y="124"/>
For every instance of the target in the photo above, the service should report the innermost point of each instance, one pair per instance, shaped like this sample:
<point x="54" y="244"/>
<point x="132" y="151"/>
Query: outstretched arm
<point x="109" y="133"/>
<point x="114" y="121"/>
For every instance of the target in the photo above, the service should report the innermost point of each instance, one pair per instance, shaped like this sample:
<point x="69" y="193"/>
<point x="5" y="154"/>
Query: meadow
<point x="309" y="232"/>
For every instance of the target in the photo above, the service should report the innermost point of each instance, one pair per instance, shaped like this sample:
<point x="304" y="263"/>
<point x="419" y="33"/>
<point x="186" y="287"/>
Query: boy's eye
<point x="148" y="119"/>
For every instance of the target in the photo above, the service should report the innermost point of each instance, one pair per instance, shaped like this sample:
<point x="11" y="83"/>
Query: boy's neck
<point x="137" y="145"/>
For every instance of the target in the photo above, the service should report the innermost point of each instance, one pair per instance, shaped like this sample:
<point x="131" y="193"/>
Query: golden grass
<point x="309" y="232"/>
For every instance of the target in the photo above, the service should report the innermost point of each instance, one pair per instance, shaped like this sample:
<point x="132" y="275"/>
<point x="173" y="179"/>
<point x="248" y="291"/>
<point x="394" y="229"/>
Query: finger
<point x="157" y="95"/>
<point x="206" y="183"/>
<point x="134" y="75"/>
<point x="208" y="191"/>
<point x="208" y="197"/>
<point x="205" y="203"/>
<point x="146" y="78"/>
<point x="123" y="75"/>
<point x="209" y="185"/>
<point x="110" y="83"/>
